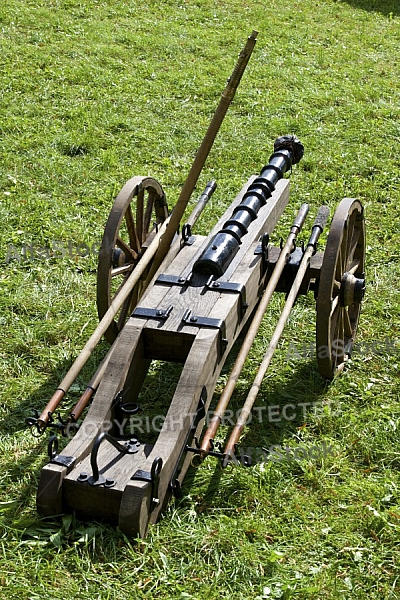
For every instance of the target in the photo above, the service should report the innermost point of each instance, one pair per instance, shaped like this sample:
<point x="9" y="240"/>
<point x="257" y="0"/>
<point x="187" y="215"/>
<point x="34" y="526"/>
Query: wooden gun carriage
<point x="189" y="305"/>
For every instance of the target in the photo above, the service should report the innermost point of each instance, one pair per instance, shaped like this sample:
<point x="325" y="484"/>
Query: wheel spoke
<point x="133" y="237"/>
<point x="334" y="318"/>
<point x="338" y="339"/>
<point x="121" y="285"/>
<point x="147" y="215"/>
<point x="124" y="312"/>
<point x="348" y="333"/>
<point x="352" y="247"/>
<point x="125" y="248"/>
<point x="135" y="296"/>
<point x="334" y="305"/>
<point x="338" y="268"/>
<point x="139" y="215"/>
<point x="354" y="267"/>
<point x="121" y="270"/>
<point x="343" y="246"/>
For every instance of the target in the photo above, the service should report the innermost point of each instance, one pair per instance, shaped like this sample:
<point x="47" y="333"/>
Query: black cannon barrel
<point x="220" y="252"/>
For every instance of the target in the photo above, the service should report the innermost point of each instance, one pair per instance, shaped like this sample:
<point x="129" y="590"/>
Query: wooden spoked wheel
<point x="136" y="213"/>
<point x="341" y="288"/>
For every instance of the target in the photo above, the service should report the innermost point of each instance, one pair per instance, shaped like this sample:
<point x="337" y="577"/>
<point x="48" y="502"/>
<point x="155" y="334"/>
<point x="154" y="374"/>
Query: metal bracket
<point x="226" y="458"/>
<point x="196" y="321"/>
<point x="173" y="279"/>
<point x="211" y="284"/>
<point x="129" y="447"/>
<point x="122" y="408"/>
<point x="152" y="313"/>
<point x="230" y="286"/>
<point x="263" y="250"/>
<point x="187" y="239"/>
<point x="175" y="484"/>
<point x="58" y="459"/>
<point x="60" y="426"/>
<point x="152" y="477"/>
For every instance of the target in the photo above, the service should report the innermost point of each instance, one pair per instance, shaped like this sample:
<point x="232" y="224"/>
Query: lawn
<point x="93" y="92"/>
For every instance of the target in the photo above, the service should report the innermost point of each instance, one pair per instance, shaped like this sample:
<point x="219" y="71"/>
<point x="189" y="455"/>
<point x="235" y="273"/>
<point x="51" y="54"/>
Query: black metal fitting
<point x="123" y="409"/>
<point x="152" y="313"/>
<point x="58" y="459"/>
<point x="128" y="447"/>
<point x="152" y="477"/>
<point x="175" y="484"/>
<point x="187" y="239"/>
<point x="37" y="427"/>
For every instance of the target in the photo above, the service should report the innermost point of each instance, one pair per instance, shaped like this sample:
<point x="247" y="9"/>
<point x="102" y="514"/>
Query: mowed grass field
<point x="95" y="91"/>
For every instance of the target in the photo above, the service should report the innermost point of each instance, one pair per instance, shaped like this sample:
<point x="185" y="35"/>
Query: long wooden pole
<point x="251" y="334"/>
<point x="318" y="226"/>
<point x="202" y="154"/>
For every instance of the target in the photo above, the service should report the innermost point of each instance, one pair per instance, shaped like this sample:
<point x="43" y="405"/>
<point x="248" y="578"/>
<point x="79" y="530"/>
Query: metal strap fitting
<point x="211" y="284"/>
<point x="187" y="238"/>
<point x="232" y="287"/>
<point x="190" y="319"/>
<point x="175" y="484"/>
<point x="97" y="479"/>
<point x="58" y="459"/>
<point x="173" y="279"/>
<point x="152" y="313"/>
<point x="152" y="477"/>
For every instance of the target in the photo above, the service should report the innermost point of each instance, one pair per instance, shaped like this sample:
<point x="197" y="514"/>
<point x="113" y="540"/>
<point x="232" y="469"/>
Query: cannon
<point x="186" y="298"/>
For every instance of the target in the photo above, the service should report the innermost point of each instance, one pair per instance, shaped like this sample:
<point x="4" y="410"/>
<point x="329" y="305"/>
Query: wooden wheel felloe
<point x="341" y="288"/>
<point x="137" y="211"/>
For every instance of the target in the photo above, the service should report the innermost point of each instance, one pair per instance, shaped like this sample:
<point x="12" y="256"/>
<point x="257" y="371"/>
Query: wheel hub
<point x="118" y="258"/>
<point x="352" y="289"/>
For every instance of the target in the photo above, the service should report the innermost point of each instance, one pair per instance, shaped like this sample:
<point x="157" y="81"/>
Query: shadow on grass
<point x="28" y="453"/>
<point x="301" y="392"/>
<point x="389" y="8"/>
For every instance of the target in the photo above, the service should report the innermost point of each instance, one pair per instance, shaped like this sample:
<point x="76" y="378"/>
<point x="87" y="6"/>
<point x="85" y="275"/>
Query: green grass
<point x="94" y="92"/>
